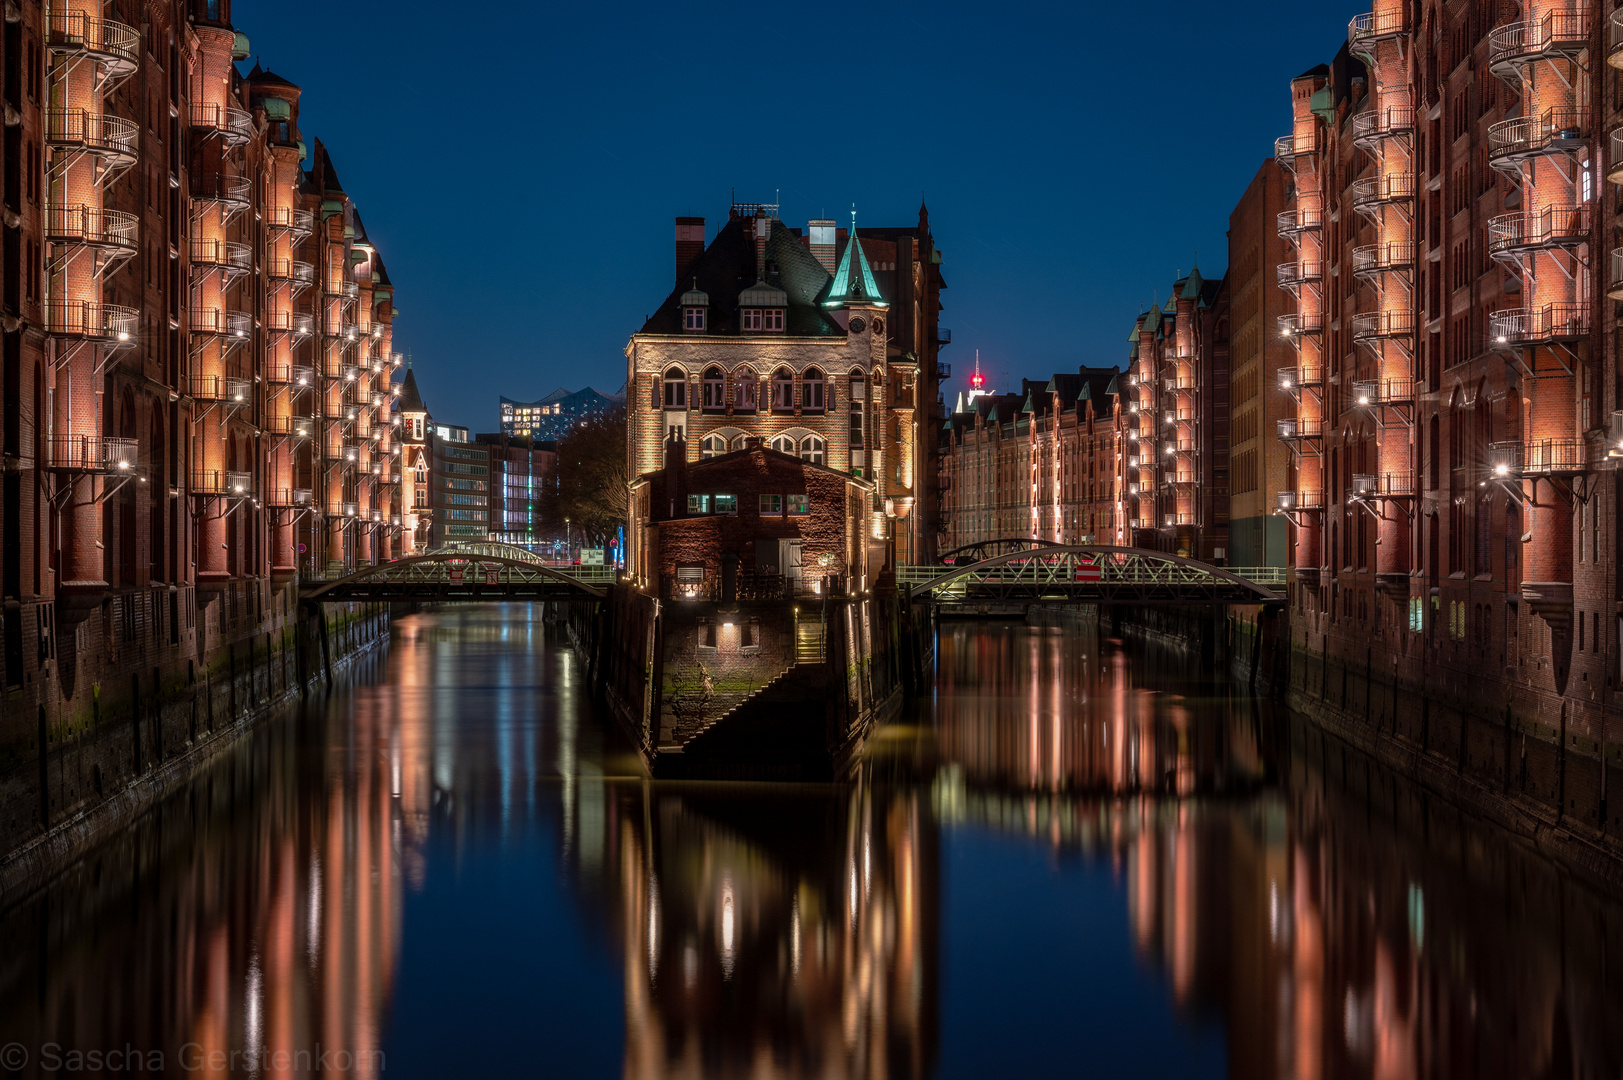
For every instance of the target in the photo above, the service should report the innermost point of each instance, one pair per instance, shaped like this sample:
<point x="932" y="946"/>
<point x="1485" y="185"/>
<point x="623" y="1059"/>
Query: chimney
<point x="763" y="229"/>
<point x="676" y="473"/>
<point x="689" y="244"/>
<point x="821" y="240"/>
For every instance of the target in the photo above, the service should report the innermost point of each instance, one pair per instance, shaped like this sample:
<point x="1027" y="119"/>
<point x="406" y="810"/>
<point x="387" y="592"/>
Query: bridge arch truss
<point x="1094" y="574"/>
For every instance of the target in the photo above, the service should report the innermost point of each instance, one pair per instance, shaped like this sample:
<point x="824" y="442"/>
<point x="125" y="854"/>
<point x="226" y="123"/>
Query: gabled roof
<point x="728" y="267"/>
<point x="265" y="77"/>
<point x="1192" y="284"/>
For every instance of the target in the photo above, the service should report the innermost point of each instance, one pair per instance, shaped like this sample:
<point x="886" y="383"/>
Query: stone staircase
<point x="808" y="640"/>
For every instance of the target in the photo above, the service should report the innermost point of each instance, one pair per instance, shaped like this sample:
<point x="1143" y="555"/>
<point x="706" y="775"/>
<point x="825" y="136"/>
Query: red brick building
<point x="751" y="524"/>
<point x="197" y="347"/>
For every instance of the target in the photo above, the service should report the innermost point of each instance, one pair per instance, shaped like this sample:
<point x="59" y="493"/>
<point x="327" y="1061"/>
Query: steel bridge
<point x="1094" y="575"/>
<point x="478" y="572"/>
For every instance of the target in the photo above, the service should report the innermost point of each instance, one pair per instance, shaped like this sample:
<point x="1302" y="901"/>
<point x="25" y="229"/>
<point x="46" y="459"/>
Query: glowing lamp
<point x="976" y="381"/>
<point x="1501" y="469"/>
<point x="1363" y="399"/>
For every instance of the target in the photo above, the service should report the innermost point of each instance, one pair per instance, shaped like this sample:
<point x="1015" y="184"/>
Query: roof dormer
<point x="695" y="310"/>
<point x="761" y="308"/>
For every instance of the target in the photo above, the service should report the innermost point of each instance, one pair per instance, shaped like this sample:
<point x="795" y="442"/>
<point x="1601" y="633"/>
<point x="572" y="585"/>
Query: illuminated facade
<point x="829" y="355"/>
<point x="197" y="339"/>
<point x="1454" y="399"/>
<point x="554" y="416"/>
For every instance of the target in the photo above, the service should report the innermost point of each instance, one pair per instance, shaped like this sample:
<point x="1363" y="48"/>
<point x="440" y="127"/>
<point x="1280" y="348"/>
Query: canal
<point x="1079" y="857"/>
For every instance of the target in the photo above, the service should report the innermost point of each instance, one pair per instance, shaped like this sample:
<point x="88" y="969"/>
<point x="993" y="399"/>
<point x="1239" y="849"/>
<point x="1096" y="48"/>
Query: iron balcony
<point x="294" y="375"/>
<point x="1300" y="500"/>
<point x="300" y="274"/>
<point x="1560" y="33"/>
<point x="113" y="45"/>
<point x="1546" y="229"/>
<point x="1372" y="127"/>
<point x="286" y="219"/>
<point x="234" y="194"/>
<point x="112" y="138"/>
<point x="231" y="257"/>
<point x="1558" y="131"/>
<point x="1372" y="194"/>
<point x="1289" y="148"/>
<point x="225" y="388"/>
<point x="231" y="123"/>
<point x="222" y="482"/>
<point x="109" y="324"/>
<point x="1366" y="31"/>
<point x="1291" y="224"/>
<point x="1294" y="429"/>
<point x="1295" y="325"/>
<point x="1293" y="275"/>
<point x="1535" y="326"/>
<point x="1372" y="260"/>
<point x="1292" y="379"/>
<point x="1539" y="457"/>
<point x="90" y="453"/>
<point x="296" y="323"/>
<point x="1381" y="486"/>
<point x="229" y="324"/>
<point x="1371" y="393"/>
<point x="113" y="232"/>
<point x="1372" y="326"/>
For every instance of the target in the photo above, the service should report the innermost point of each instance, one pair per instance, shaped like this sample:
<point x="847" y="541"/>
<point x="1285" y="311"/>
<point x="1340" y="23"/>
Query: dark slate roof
<point x="1098" y="385"/>
<point x="727" y="268"/>
<point x="1065" y="388"/>
<point x="382" y="272"/>
<point x="265" y="77"/>
<point x="323" y="177"/>
<point x="1315" y="71"/>
<point x="410" y="399"/>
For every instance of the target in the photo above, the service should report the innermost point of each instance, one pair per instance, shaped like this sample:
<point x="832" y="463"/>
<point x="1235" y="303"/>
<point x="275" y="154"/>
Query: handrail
<point x="1300" y="500"/>
<point x="227" y="253"/>
<point x="413" y="568"/>
<point x="1369" y="27"/>
<point x="230" y="388"/>
<point x="1553" y="321"/>
<point x="90" y="453"/>
<point x="1547" y="226"/>
<point x="1291" y="378"/>
<point x="1388" y="187"/>
<point x="1299" y="272"/>
<point x="1375" y="124"/>
<point x="286" y="217"/>
<point x="1378" y="324"/>
<point x="1299" y="323"/>
<point x="109" y="322"/>
<point x="92" y="225"/>
<point x="214" y="186"/>
<point x="1380" y="258"/>
<point x="1523" y="134"/>
<point x="1560" y="31"/>
<point x="229" y="120"/>
<point x="102" y="132"/>
<point x="112" y="40"/>
<point x="1058" y="567"/>
<point x="235" y="324"/>
<point x="222" y="482"/>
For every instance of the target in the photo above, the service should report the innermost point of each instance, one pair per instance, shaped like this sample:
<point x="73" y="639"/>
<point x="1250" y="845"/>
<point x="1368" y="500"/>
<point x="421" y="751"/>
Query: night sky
<point x="520" y="164"/>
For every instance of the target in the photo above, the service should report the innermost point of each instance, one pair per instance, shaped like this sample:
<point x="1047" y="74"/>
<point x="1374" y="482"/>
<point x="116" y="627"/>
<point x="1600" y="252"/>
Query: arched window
<point x="811" y="449"/>
<point x="744" y="382"/>
<point x="713" y="446"/>
<point x="811" y="393"/>
<point x="783" y="391"/>
<point x="715" y="389"/>
<point x="676" y="389"/>
<point x="741" y="442"/>
<point x="419" y="485"/>
<point x="785" y="444"/>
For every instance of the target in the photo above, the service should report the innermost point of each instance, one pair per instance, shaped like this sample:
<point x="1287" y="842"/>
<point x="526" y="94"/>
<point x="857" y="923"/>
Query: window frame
<point x="769" y="505"/>
<point x="675" y="378"/>
<point x="797" y="505"/>
<point x="713" y="391"/>
<point x="814" y="390"/>
<point x="783" y="379"/>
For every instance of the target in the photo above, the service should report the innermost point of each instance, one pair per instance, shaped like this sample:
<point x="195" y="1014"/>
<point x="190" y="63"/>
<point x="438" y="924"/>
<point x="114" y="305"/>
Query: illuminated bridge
<point x="1093" y="575"/>
<point x="473" y="572"/>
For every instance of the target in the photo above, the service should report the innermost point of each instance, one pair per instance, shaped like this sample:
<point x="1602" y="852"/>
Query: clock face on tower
<point x="858" y="324"/>
<point x="879" y="326"/>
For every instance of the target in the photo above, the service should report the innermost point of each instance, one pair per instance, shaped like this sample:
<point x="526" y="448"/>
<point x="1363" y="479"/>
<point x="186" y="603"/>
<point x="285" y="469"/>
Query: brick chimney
<point x="676" y="474"/>
<point x="689" y="244"/>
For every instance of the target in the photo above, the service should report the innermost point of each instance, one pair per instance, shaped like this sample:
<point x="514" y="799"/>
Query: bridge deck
<point x="1094" y="575"/>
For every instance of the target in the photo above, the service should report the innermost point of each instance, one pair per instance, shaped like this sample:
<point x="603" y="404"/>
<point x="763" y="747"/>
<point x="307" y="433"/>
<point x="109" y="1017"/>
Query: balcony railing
<point x="345" y="331"/>
<point x="1557" y="131"/>
<point x="1546" y="228"/>
<point x="1369" y="393"/>
<point x="1375" y="125"/>
<point x="1287" y="148"/>
<point x="1294" y="326"/>
<point x="1534" y="326"/>
<point x="234" y="125"/>
<point x="1381" y="485"/>
<point x="1370" y="194"/>
<point x="1292" y="379"/>
<point x="109" y="230"/>
<point x="1293" y="275"/>
<point x="301" y="274"/>
<point x="293" y="375"/>
<point x="1374" y="325"/>
<point x="1173" y="520"/>
<point x="115" y="45"/>
<point x="296" y="427"/>
<point x="350" y="509"/>
<point x="290" y="498"/>
<point x="108" y="136"/>
<point x="90" y="453"/>
<point x="1614" y="168"/>
<point x="1614" y="287"/>
<point x="1300" y="427"/>
<point x="1559" y="33"/>
<point x="1291" y="224"/>
<point x="226" y="388"/>
<point x="1372" y="259"/>
<point x="222" y="482"/>
<point x="1614" y="43"/>
<point x="296" y="323"/>
<point x="234" y="192"/>
<point x="1366" y="30"/>
<point x="300" y="222"/>
<point x="351" y="290"/>
<point x="1541" y="457"/>
<point x="231" y="324"/>
<point x="229" y="255"/>
<point x="1301" y="500"/>
<point x="107" y="323"/>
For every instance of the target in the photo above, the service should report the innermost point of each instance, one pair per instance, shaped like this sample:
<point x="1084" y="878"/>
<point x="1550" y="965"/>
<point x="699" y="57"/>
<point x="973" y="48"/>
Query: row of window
<point x="811" y="448"/>
<point x="761" y="320"/>
<point x="768" y="506"/>
<point x="814" y="392"/>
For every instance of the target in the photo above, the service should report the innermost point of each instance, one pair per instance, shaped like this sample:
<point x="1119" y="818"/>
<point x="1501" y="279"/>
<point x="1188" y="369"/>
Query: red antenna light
<point x="975" y="380"/>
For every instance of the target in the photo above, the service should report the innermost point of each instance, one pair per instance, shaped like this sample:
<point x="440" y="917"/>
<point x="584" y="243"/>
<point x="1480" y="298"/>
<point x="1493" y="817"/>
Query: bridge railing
<point x="472" y="570"/>
<point x="1111" y="570"/>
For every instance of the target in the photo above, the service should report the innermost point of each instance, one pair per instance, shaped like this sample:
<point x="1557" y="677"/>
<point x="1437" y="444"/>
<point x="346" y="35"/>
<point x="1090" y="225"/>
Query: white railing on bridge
<point x="1140" y="570"/>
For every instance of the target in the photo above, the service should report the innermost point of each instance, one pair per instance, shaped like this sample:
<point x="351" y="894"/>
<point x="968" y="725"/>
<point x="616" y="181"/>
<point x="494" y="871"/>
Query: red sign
<point x="456" y="573"/>
<point x="1088" y="570"/>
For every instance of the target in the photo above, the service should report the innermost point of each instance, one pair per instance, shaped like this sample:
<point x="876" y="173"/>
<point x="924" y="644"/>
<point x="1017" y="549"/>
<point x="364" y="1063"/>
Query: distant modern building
<point x="459" y="474"/>
<point x="554" y="416"/>
<point x="521" y="469"/>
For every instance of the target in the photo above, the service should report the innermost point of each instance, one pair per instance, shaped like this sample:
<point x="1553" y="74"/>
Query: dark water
<point x="1078" y="859"/>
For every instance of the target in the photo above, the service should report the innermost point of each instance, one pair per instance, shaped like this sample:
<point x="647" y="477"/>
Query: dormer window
<point x="693" y="320"/>
<point x="763" y="320"/>
<point x="695" y="304"/>
<point x="761" y="308"/>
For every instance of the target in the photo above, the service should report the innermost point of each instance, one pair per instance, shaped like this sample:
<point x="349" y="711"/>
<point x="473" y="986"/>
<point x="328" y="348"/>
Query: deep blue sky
<point x="519" y="164"/>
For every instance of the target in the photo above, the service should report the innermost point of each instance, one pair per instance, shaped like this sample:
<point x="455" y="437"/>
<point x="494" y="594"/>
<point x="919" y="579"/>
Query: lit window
<point x="715" y="389"/>
<point x="771" y="505"/>
<point x="726" y="504"/>
<point x="783" y="391"/>
<point x="811" y="449"/>
<point x="698" y="504"/>
<point x="812" y="389"/>
<point x="676" y="389"/>
<point x="799" y="504"/>
<point x="693" y="318"/>
<point x="744" y="390"/>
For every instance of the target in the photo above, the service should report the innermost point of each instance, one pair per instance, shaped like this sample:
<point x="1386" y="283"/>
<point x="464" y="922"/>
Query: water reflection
<point x="1076" y="858"/>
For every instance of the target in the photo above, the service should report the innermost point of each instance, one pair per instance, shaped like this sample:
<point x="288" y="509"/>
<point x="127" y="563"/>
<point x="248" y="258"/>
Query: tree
<point x="592" y="476"/>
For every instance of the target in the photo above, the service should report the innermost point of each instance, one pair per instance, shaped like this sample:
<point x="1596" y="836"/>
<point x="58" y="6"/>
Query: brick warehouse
<point x="197" y="362"/>
<point x="818" y="346"/>
<point x="1454" y="507"/>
